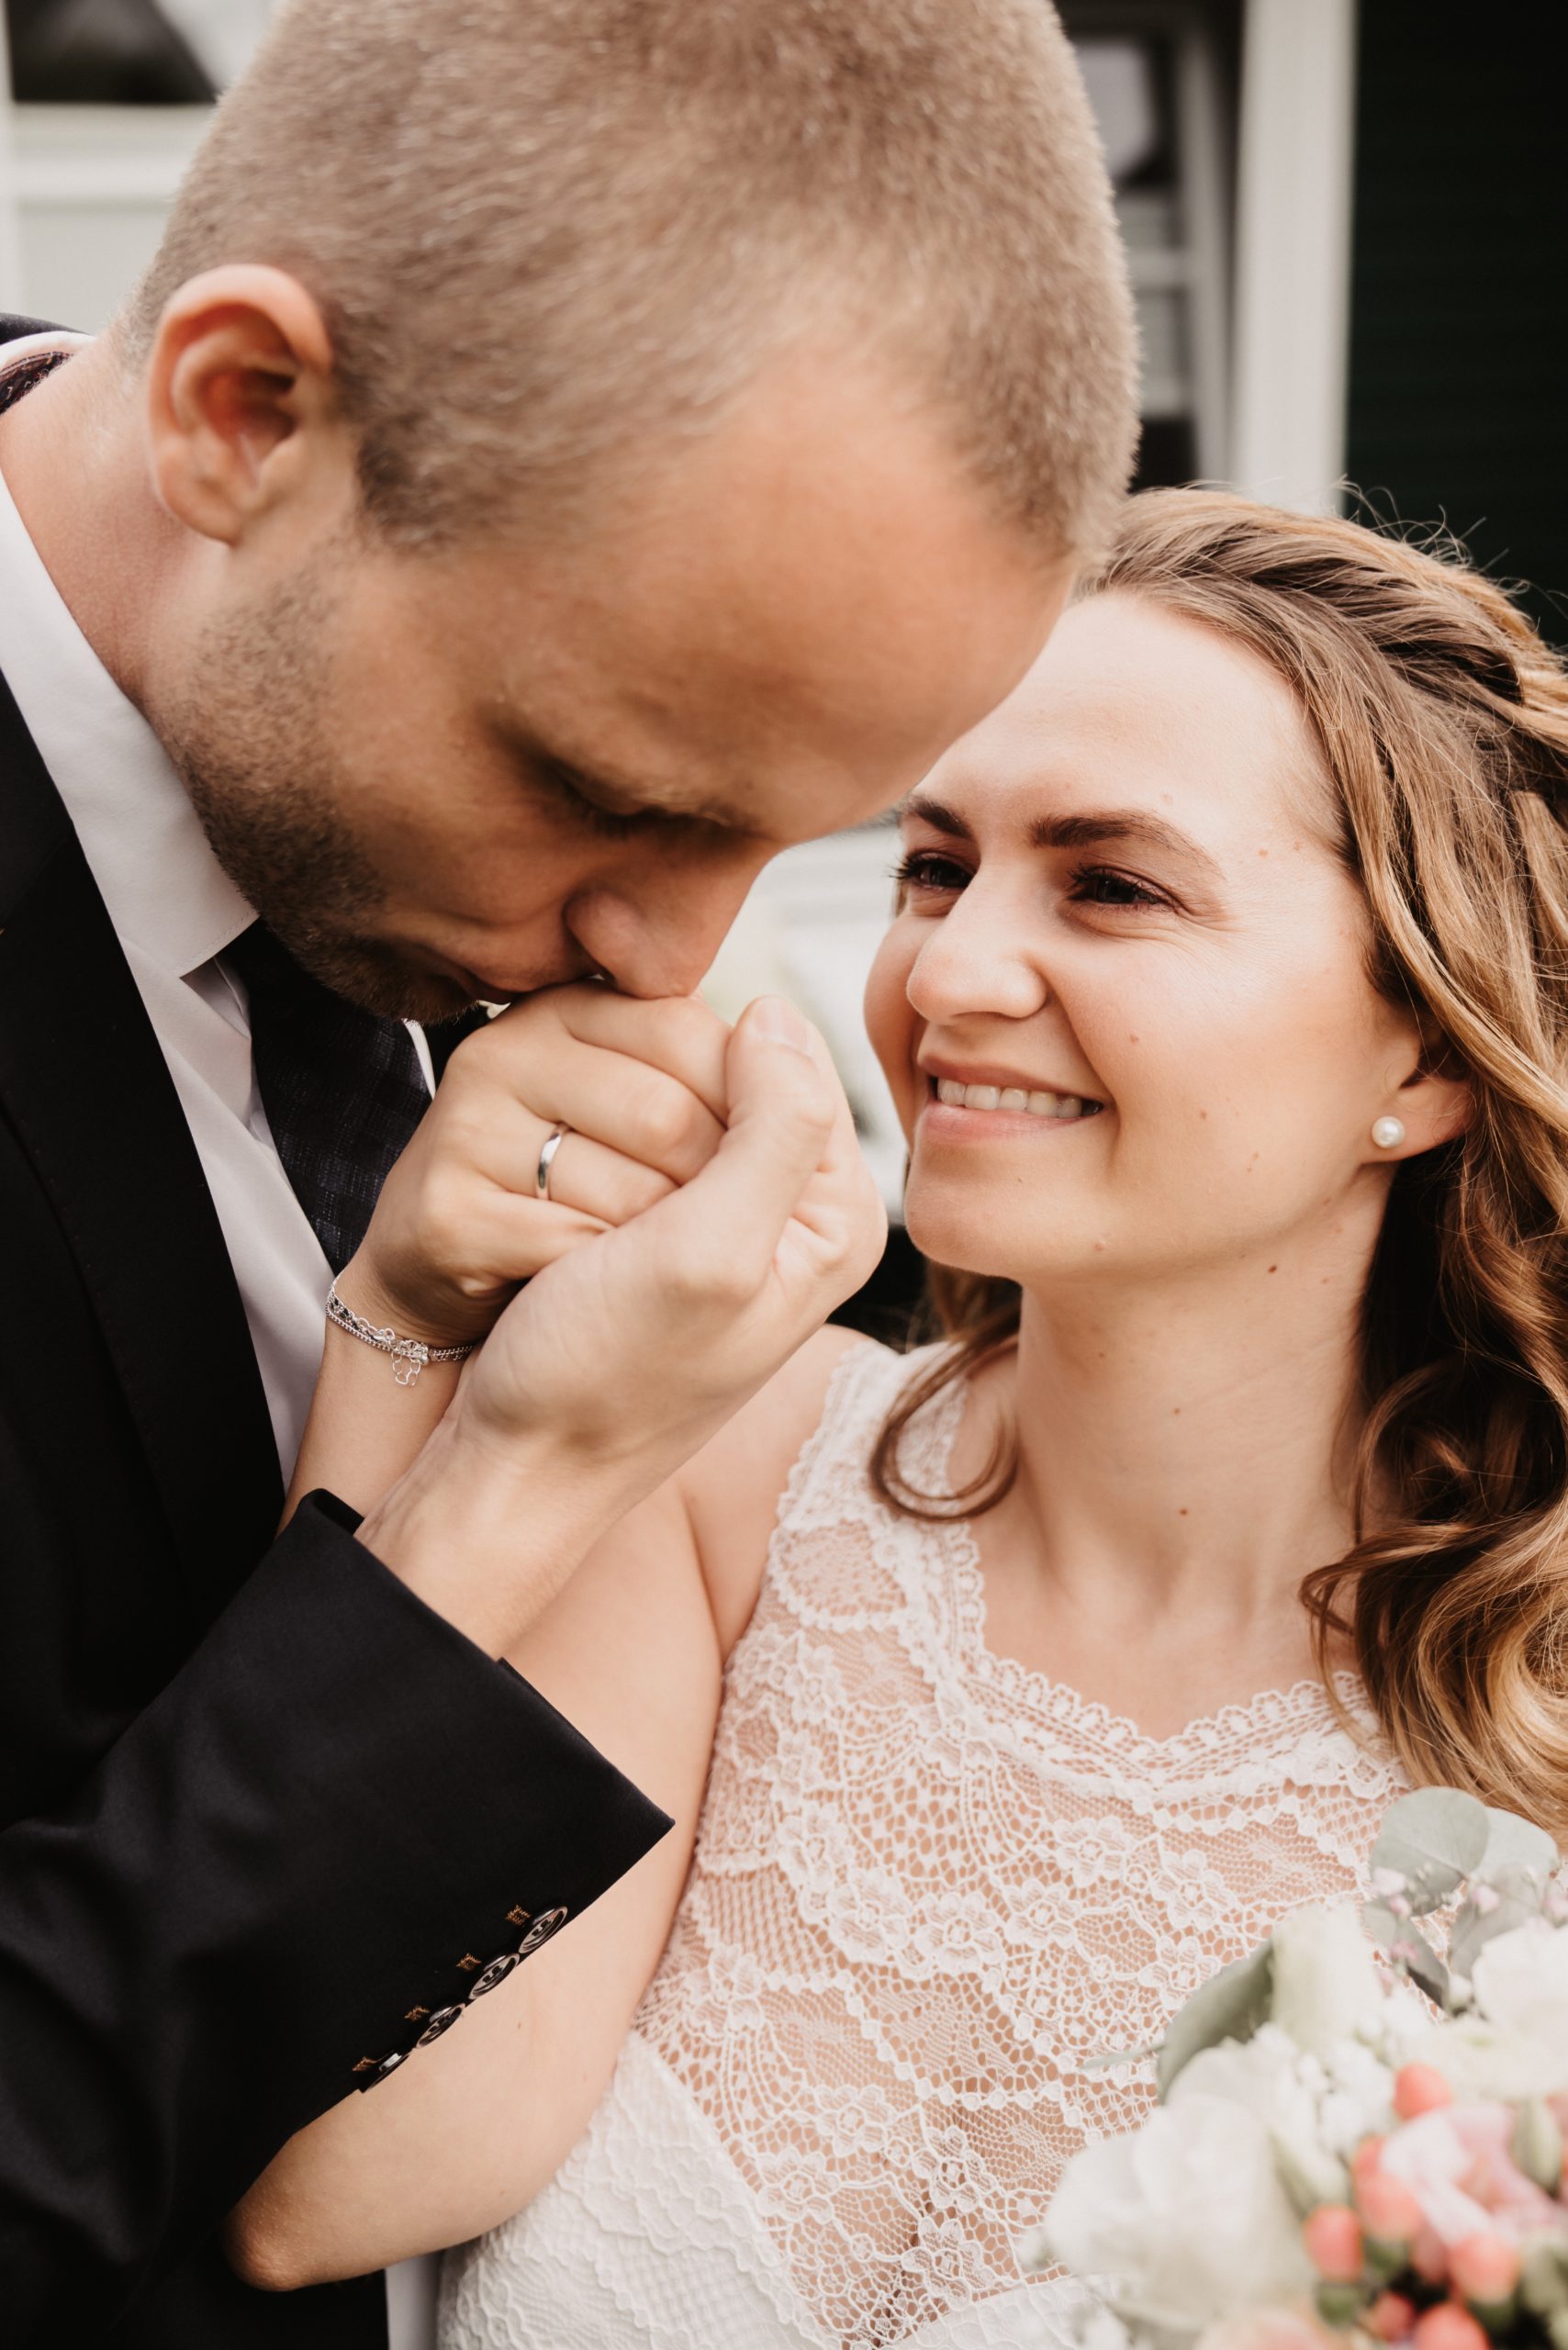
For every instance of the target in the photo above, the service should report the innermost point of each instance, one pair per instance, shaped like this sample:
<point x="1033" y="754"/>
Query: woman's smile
<point x="959" y="1109"/>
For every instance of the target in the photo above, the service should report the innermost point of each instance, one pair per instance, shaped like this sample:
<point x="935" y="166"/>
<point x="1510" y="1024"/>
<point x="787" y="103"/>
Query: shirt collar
<point x="166" y="892"/>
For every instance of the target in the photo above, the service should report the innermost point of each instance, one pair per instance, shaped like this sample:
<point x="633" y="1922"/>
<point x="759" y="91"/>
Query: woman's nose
<point x="977" y="959"/>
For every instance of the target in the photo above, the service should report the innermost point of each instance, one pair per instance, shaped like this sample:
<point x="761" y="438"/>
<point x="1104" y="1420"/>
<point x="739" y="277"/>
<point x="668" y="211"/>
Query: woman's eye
<point x="1102" y="885"/>
<point x="923" y="868"/>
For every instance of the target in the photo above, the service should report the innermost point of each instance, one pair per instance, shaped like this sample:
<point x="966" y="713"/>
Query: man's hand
<point x="459" y="1224"/>
<point x="625" y="1354"/>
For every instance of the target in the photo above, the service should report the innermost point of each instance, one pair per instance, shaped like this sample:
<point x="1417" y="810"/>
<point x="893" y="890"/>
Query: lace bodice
<point x="928" y="1884"/>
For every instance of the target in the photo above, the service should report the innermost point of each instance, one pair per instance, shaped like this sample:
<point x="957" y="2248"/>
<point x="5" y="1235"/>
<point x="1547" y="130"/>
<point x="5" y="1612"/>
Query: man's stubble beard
<point x="247" y="737"/>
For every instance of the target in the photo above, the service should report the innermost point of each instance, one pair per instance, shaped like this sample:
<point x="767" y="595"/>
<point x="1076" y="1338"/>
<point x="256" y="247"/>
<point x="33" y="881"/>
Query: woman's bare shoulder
<point x="733" y="1485"/>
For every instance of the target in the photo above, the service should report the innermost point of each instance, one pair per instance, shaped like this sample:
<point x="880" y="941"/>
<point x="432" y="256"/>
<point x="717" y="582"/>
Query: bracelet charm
<point x="409" y="1356"/>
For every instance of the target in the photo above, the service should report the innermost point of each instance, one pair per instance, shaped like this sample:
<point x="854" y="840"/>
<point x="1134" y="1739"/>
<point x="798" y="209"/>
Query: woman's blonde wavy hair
<point x="1443" y="721"/>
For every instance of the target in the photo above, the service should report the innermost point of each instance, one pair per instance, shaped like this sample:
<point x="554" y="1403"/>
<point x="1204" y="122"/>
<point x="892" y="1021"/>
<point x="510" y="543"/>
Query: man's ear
<point x="240" y="407"/>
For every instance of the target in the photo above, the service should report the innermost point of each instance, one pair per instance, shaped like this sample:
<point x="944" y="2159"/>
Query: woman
<point x="1032" y="1679"/>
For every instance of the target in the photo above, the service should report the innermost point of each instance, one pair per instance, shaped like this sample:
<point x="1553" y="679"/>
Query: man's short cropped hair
<point x="545" y="232"/>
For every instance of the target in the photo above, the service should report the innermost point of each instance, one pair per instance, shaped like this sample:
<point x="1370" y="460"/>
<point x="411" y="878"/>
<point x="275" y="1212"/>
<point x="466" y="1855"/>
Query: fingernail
<point x="776" y="1018"/>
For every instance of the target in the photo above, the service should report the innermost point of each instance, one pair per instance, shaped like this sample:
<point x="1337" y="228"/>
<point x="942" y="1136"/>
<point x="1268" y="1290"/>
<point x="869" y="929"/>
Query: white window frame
<point x="1292" y="289"/>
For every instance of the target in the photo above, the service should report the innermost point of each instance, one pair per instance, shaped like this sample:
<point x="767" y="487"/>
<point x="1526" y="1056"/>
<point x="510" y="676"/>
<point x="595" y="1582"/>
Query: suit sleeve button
<point x="442" y="2020"/>
<point x="541" y="1930"/>
<point x="496" y="1973"/>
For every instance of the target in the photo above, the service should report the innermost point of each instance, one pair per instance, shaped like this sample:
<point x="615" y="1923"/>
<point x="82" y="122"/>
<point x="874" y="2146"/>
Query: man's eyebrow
<point x="1091" y="829"/>
<point x="624" y="798"/>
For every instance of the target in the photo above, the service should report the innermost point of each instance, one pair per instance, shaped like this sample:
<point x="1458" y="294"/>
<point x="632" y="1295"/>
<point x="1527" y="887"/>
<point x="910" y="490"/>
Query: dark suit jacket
<point x="262" y="1813"/>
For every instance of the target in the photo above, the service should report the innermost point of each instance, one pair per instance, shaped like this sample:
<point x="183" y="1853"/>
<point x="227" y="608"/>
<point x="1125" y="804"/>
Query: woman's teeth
<point x="1014" y="1097"/>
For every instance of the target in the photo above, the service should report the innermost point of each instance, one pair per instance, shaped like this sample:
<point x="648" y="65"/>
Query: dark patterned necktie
<point x="342" y="1090"/>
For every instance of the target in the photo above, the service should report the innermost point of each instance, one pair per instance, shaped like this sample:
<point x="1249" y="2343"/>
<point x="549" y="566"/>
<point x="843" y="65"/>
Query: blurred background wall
<point x="1347" y="223"/>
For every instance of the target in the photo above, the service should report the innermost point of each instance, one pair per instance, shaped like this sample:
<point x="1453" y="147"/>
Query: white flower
<point x="1270" y="2077"/>
<point x="1184" y="2219"/>
<point x="1520" y="1981"/>
<point x="1477" y="2060"/>
<point x="1269" y="2329"/>
<point x="1458" y="2163"/>
<point x="1326" y="1980"/>
<point x="1358" y="2102"/>
<point x="1100" y="2329"/>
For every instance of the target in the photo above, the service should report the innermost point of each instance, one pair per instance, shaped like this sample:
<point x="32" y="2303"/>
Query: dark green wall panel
<point x="1459" y="340"/>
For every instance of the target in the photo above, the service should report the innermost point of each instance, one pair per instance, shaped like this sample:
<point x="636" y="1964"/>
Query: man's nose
<point x="661" y="941"/>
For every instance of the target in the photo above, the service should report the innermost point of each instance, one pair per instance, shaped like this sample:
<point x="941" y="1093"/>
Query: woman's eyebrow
<point x="1091" y="829"/>
<point x="941" y="819"/>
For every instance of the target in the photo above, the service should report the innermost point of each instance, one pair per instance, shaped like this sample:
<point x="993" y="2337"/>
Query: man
<point x="564" y="450"/>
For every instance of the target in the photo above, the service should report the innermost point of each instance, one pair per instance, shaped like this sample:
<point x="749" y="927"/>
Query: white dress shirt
<point x="176" y="910"/>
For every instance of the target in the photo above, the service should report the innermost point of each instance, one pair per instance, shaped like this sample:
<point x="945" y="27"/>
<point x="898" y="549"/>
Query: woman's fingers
<point x="628" y="1106"/>
<point x="461" y="1222"/>
<point x="680" y="1035"/>
<point x="584" y="1175"/>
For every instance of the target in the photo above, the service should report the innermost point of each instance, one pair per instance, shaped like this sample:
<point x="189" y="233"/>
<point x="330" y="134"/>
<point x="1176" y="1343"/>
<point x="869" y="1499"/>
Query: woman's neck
<point x="1182" y="1465"/>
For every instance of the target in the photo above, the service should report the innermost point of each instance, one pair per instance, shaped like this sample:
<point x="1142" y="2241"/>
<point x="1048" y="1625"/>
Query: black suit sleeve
<point x="306" y="1851"/>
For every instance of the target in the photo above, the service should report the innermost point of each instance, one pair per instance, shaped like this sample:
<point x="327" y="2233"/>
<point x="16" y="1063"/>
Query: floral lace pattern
<point x="928" y="1884"/>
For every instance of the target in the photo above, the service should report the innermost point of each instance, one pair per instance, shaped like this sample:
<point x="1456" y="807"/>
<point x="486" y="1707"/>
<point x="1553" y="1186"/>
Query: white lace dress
<point x="927" y="1885"/>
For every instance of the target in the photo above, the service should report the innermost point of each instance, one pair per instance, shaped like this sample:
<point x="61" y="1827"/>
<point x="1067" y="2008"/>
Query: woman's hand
<point x="459" y="1225"/>
<point x="628" y="1351"/>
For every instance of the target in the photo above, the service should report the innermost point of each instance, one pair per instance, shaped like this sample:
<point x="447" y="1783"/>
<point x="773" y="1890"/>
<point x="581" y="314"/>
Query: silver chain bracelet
<point x="409" y="1355"/>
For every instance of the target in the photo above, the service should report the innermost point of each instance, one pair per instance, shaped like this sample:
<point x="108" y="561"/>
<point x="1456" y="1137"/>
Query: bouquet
<point x="1339" y="2156"/>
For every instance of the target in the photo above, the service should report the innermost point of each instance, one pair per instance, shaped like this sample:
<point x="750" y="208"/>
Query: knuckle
<point x="667" y="1120"/>
<point x="691" y="1019"/>
<point x="711" y="1278"/>
<point x="643" y="1187"/>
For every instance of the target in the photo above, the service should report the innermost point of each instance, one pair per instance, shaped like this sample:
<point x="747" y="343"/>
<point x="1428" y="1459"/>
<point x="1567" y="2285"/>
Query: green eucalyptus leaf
<point x="1511" y="1898"/>
<point x="1433" y="1839"/>
<point x="1537" y="2144"/>
<point x="1513" y="1843"/>
<point x="1230" y="2005"/>
<point x="1406" y="1945"/>
<point x="1104" y="2059"/>
<point x="1310" y="2174"/>
<point x="1339" y="2305"/>
<point x="1544" y="2282"/>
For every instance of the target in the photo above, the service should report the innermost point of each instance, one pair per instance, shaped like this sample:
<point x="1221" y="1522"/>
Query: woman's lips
<point x="1012" y="1100"/>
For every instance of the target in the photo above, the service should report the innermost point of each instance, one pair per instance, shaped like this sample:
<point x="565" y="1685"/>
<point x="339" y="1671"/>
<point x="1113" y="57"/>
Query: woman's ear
<point x="1433" y="1104"/>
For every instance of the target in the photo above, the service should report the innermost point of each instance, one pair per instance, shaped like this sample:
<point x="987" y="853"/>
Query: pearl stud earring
<point x="1388" y="1133"/>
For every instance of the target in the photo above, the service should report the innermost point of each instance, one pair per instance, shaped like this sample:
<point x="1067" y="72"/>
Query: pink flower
<point x="1457" y="2164"/>
<point x="1391" y="2317"/>
<point x="1332" y="2235"/>
<point x="1486" y="2269"/>
<point x="1268" y="2330"/>
<point x="1448" y="2327"/>
<point x="1420" y="2088"/>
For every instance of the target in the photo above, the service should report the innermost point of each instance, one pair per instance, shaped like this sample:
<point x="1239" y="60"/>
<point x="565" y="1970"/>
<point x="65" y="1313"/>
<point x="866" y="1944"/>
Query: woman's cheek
<point x="890" y="1020"/>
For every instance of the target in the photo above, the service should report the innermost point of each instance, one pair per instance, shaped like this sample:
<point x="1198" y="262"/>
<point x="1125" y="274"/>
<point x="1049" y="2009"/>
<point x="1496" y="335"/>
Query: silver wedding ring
<point x="553" y="1142"/>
